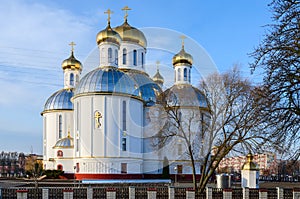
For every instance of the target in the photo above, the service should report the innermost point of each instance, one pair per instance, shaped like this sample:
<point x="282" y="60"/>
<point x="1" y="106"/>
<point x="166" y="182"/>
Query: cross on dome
<point x="126" y="8"/>
<point x="72" y="44"/>
<point x="108" y="12"/>
<point x="157" y="65"/>
<point x="182" y="37"/>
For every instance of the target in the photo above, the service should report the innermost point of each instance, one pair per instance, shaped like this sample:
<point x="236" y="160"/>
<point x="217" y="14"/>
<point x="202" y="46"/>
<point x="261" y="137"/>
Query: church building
<point x="104" y="125"/>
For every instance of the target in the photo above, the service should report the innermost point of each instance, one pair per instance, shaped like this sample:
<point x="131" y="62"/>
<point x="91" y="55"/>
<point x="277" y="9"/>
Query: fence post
<point x="22" y="194"/>
<point x="131" y="192"/>
<point x="227" y="193"/>
<point x="45" y="193"/>
<point x="263" y="194"/>
<point x="190" y="193"/>
<point x="89" y="193"/>
<point x="246" y="193"/>
<point x="68" y="193"/>
<point x="279" y="193"/>
<point x="111" y="193"/>
<point x="209" y="193"/>
<point x="296" y="193"/>
<point x="171" y="192"/>
<point x="151" y="192"/>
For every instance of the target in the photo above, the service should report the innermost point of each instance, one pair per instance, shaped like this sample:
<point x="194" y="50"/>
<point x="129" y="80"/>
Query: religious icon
<point x="98" y="116"/>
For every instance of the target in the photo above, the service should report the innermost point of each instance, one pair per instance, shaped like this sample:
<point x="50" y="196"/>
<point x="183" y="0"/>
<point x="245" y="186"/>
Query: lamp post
<point x="175" y="170"/>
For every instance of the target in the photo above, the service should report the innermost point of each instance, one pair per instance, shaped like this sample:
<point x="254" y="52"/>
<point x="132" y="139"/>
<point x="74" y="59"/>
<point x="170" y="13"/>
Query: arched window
<point x="59" y="126"/>
<point x="124" y="116"/>
<point x="124" y="55"/>
<point x="142" y="60"/>
<point x="185" y="74"/>
<point x="109" y="55"/>
<point x="178" y="74"/>
<point x="134" y="57"/>
<point x="189" y="75"/>
<point x="77" y="79"/>
<point x="72" y="79"/>
<point x="60" y="153"/>
<point x="116" y="57"/>
<point x="59" y="167"/>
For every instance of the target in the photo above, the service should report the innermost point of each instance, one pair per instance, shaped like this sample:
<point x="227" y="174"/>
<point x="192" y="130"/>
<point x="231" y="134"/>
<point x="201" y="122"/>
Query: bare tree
<point x="279" y="56"/>
<point x="236" y="124"/>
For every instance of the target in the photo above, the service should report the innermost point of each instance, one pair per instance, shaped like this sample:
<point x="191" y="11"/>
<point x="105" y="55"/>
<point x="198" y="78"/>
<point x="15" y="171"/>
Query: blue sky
<point x="35" y="34"/>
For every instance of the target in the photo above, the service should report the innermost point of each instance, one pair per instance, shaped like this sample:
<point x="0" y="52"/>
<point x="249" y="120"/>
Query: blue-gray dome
<point x="185" y="95"/>
<point x="60" y="100"/>
<point x="149" y="90"/>
<point x="107" y="80"/>
<point x="66" y="142"/>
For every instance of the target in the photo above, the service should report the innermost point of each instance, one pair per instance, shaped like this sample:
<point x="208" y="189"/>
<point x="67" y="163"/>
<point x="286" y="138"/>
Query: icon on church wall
<point x="97" y="117"/>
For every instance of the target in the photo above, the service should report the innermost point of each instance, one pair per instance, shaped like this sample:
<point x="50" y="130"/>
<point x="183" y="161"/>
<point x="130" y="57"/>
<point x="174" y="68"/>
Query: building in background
<point x="266" y="162"/>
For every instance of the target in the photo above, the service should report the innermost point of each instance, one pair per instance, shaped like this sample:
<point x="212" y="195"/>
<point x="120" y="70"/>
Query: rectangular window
<point x="124" y="116"/>
<point x="123" y="167"/>
<point x="123" y="144"/>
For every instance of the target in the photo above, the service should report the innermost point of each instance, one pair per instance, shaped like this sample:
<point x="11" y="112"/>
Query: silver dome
<point x="149" y="90"/>
<point x="65" y="143"/>
<point x="185" y="95"/>
<point x="60" y="100"/>
<point x="107" y="80"/>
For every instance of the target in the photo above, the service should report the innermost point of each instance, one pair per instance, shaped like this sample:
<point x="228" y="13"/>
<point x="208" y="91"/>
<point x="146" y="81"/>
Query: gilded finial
<point x="126" y="8"/>
<point x="72" y="44"/>
<point x="182" y="37"/>
<point x="157" y="65"/>
<point x="108" y="12"/>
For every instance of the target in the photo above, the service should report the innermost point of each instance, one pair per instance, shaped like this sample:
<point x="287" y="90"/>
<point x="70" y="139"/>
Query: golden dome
<point x="182" y="58"/>
<point x="108" y="35"/>
<point x="71" y="63"/>
<point x="158" y="78"/>
<point x="129" y="33"/>
<point x="250" y="165"/>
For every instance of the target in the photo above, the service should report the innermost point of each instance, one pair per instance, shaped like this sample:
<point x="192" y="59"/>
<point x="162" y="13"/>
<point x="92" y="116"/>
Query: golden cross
<point x="157" y="65"/>
<point x="98" y="116"/>
<point x="126" y="8"/>
<point x="72" y="44"/>
<point x="108" y="12"/>
<point x="182" y="40"/>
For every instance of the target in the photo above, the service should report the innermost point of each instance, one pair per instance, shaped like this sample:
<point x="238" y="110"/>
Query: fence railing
<point x="140" y="192"/>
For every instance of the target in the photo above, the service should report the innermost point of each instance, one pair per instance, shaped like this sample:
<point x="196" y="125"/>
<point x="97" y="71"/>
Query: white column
<point x="227" y="194"/>
<point x="89" y="193"/>
<point x="279" y="193"/>
<point x="246" y="193"/>
<point x="131" y="192"/>
<point x="190" y="194"/>
<point x="151" y="193"/>
<point x="296" y="193"/>
<point x="209" y="193"/>
<point x="263" y="194"/>
<point x="171" y="193"/>
<point x="45" y="193"/>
